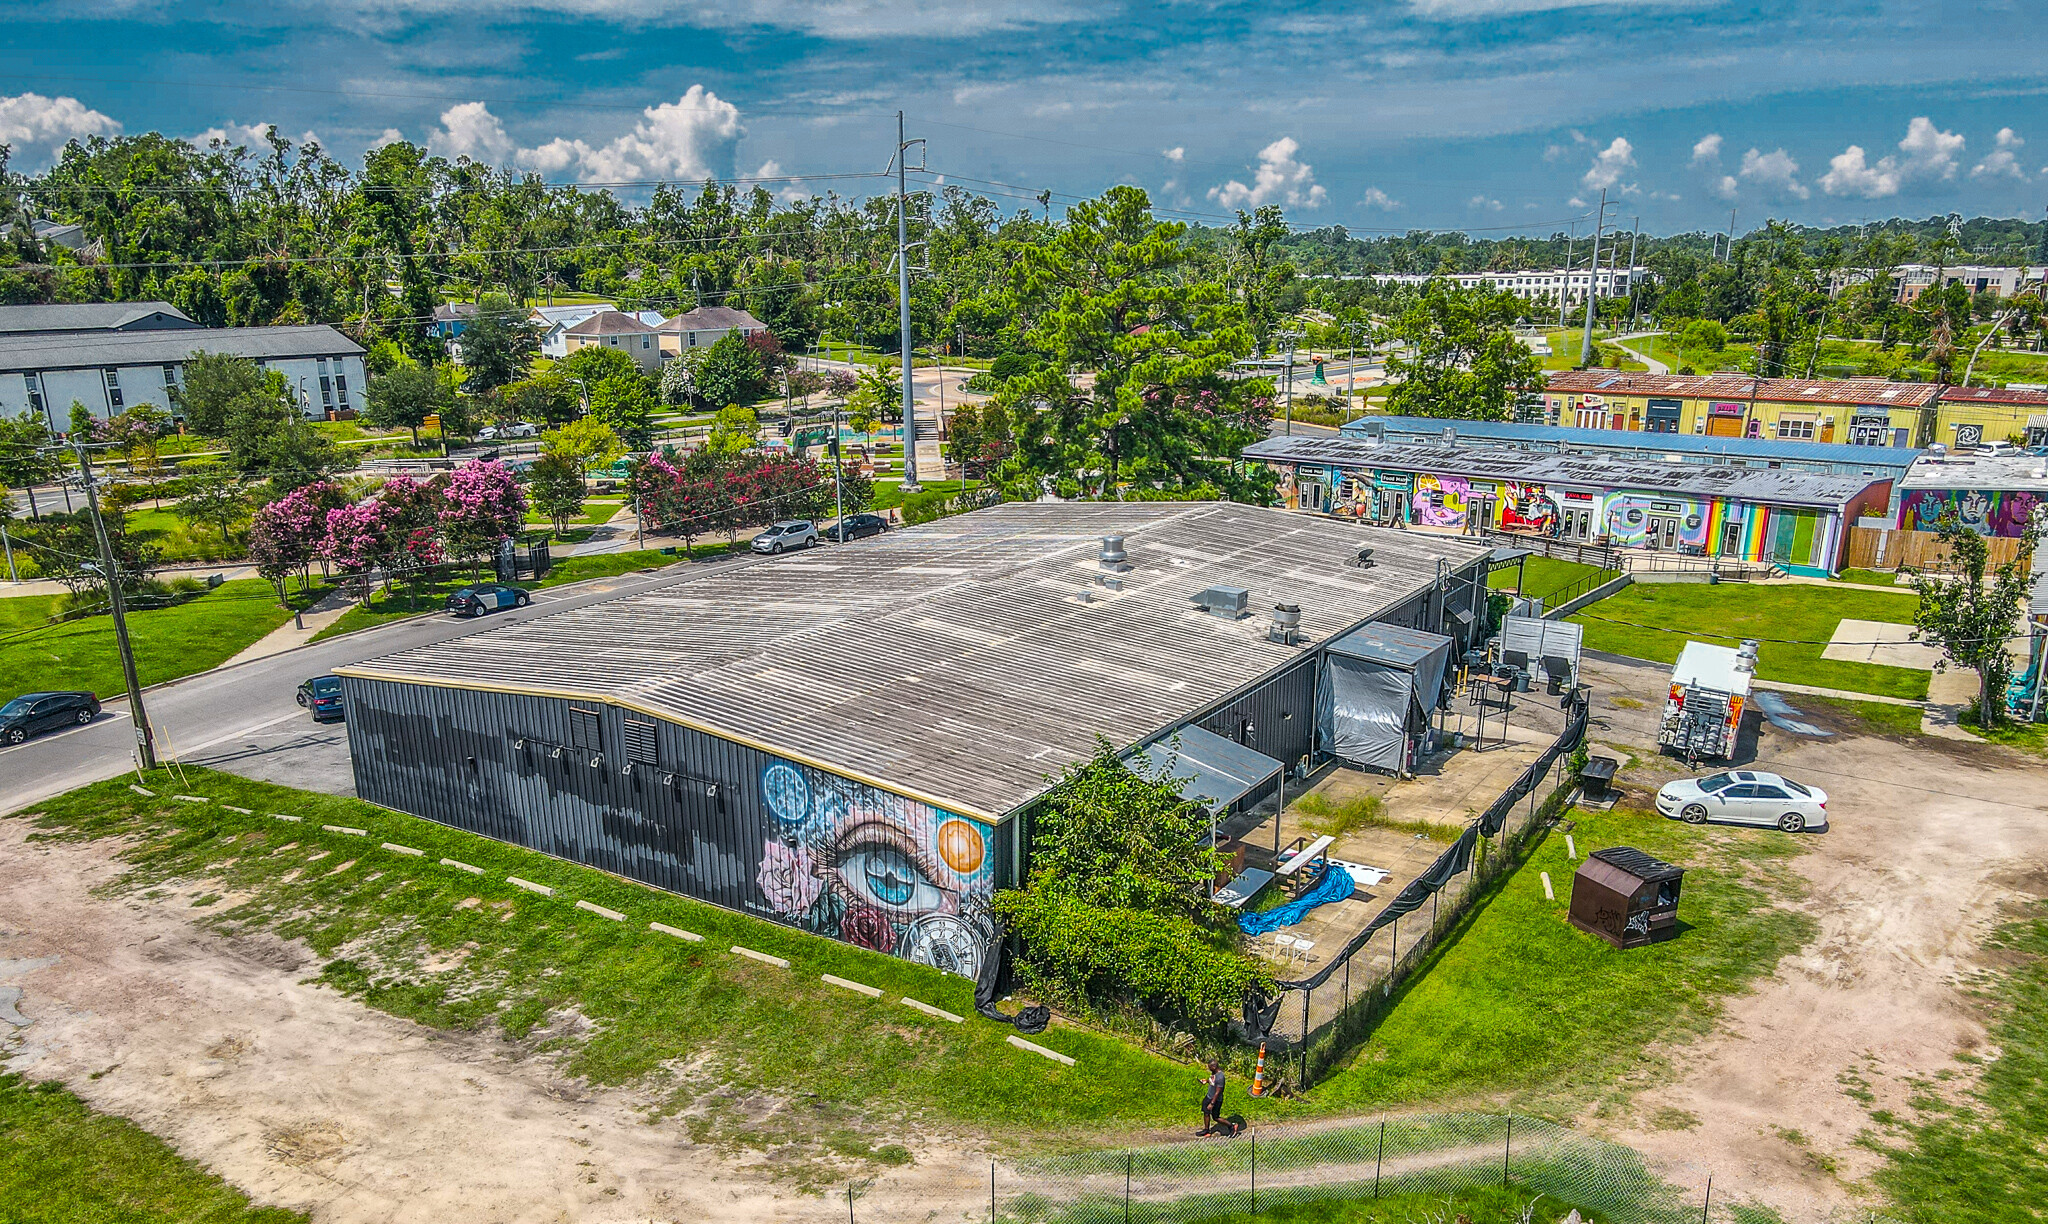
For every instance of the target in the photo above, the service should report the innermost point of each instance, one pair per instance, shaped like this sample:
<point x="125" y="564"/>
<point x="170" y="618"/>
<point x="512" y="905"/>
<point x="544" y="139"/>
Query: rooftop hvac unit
<point x="1227" y="602"/>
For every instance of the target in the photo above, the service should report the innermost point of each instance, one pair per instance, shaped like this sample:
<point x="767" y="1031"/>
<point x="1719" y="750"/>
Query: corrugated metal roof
<point x="1428" y="431"/>
<point x="1772" y="486"/>
<point x="958" y="658"/>
<point x="1744" y="387"/>
<point x="711" y="318"/>
<point x="1393" y="645"/>
<point x="1213" y="771"/>
<point x="1988" y="472"/>
<point x="84" y="316"/>
<point x="115" y="348"/>
<point x="610" y="323"/>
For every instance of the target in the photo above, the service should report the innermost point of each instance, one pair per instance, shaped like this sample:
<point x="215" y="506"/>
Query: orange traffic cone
<point x="1259" y="1073"/>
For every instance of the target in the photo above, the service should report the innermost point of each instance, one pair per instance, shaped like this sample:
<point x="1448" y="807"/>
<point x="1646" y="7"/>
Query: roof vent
<point x="1286" y="626"/>
<point x="1112" y="555"/>
<point x="1227" y="602"/>
<point x="1362" y="561"/>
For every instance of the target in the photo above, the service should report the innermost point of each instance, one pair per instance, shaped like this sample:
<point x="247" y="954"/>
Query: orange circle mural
<point x="960" y="846"/>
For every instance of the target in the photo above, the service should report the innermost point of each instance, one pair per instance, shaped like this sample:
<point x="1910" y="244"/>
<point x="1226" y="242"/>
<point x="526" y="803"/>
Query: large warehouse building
<point x="850" y="740"/>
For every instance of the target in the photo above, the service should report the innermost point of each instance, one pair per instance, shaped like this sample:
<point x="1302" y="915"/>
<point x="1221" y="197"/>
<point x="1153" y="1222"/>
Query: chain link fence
<point x="1424" y="1154"/>
<point x="1321" y="1018"/>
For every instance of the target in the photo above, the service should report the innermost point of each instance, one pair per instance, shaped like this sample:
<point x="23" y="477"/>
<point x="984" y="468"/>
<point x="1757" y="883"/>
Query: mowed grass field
<point x="1542" y="576"/>
<point x="61" y="1162"/>
<point x="1517" y="1004"/>
<point x="1792" y="623"/>
<point x="203" y="632"/>
<point x="867" y="1067"/>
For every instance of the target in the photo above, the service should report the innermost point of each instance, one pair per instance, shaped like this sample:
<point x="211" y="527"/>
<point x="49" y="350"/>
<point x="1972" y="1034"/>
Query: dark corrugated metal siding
<point x="452" y="756"/>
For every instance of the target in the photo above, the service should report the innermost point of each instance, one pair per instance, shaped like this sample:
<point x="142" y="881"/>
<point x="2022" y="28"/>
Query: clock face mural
<point x="859" y="863"/>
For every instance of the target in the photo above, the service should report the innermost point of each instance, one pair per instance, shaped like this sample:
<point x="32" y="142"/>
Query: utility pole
<point x="910" y="484"/>
<point x="1728" y="252"/>
<point x="1564" y="293"/>
<point x="1592" y="283"/>
<point x="1632" y="272"/>
<point x="1289" y="337"/>
<point x="144" y="744"/>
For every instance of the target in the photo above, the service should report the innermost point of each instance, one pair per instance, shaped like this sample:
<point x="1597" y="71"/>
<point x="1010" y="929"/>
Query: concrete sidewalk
<point x="290" y="634"/>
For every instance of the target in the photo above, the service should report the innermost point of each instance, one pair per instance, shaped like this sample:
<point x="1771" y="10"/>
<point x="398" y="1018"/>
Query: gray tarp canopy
<point x="1379" y="684"/>
<point x="1213" y="771"/>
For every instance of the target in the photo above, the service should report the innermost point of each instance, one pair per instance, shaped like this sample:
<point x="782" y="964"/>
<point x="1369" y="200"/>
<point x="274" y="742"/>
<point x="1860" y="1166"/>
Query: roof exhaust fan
<point x="1286" y="626"/>
<point x="1113" y="562"/>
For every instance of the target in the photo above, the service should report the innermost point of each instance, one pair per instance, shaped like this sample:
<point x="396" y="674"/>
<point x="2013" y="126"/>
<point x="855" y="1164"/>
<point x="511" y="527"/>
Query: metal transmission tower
<point x="145" y="745"/>
<point x="903" y="245"/>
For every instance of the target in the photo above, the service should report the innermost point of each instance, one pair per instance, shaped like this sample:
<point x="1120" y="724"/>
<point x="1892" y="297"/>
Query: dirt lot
<point x="1929" y="839"/>
<point x="306" y="1099"/>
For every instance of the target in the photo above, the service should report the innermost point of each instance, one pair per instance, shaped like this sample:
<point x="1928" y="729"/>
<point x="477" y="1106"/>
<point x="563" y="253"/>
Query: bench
<point x="1242" y="888"/>
<point x="1304" y="856"/>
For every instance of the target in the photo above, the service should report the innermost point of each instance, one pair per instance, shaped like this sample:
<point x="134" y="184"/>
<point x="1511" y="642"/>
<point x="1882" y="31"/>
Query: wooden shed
<point x="1626" y="897"/>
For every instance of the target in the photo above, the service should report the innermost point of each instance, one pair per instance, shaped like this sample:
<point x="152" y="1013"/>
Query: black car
<point x="322" y="695"/>
<point x="477" y="600"/>
<point x="35" y="713"/>
<point x="856" y="527"/>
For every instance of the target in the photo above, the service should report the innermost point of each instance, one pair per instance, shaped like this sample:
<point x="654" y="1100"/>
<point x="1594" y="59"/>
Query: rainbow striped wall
<point x="1753" y="533"/>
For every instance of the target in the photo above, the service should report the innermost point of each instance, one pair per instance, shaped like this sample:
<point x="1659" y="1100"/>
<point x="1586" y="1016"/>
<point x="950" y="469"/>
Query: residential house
<point x="451" y="319"/>
<point x="704" y="327"/>
<point x="616" y="329"/>
<point x="555" y="322"/>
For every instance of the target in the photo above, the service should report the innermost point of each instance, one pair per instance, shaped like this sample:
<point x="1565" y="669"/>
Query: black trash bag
<point x="988" y="988"/>
<point x="1259" y="1013"/>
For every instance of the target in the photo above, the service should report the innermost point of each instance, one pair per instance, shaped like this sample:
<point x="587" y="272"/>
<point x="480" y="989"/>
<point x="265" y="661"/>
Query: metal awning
<point x="1213" y="771"/>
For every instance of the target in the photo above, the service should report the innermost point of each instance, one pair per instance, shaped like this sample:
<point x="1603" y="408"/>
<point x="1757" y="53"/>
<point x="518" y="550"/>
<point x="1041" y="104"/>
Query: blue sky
<point x="1376" y="114"/>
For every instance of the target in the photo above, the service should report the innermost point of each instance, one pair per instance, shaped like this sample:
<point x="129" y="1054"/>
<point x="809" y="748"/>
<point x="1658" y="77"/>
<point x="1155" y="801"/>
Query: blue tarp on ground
<point x="1335" y="885"/>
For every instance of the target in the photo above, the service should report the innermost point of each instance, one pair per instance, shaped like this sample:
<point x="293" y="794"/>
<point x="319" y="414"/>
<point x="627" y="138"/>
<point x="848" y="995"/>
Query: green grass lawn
<point x="176" y="540"/>
<point x="1979" y="1157"/>
<point x="193" y="636"/>
<point x="1541" y="576"/>
<point x="62" y="1162"/>
<point x="864" y="1068"/>
<point x="1869" y="577"/>
<point x="594" y="512"/>
<point x="1521" y="1006"/>
<point x="1654" y="621"/>
<point x="1492" y="1205"/>
<point x="1866" y="717"/>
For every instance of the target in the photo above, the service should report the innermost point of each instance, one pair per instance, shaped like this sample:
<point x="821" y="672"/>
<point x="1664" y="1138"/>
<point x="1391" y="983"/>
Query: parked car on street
<point x="856" y="527"/>
<point x="517" y="429"/>
<point x="477" y="600"/>
<point x="1746" y="796"/>
<point x="322" y="695"/>
<point x="787" y="534"/>
<point x="35" y="713"/>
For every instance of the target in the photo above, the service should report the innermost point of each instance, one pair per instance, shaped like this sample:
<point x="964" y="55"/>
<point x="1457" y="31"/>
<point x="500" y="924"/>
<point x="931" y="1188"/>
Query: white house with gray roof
<point x="45" y="369"/>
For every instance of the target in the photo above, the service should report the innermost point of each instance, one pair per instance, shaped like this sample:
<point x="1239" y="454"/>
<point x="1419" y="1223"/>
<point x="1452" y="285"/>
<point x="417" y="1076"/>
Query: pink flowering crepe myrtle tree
<point x="355" y="543"/>
<point x="289" y="533"/>
<point x="481" y="505"/>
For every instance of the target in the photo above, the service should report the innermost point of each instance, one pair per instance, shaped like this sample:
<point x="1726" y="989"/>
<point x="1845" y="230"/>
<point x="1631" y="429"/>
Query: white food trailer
<point x="1709" y="688"/>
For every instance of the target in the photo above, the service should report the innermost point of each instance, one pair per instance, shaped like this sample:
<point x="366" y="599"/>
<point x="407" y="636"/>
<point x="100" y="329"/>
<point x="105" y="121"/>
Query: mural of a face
<point x="876" y="869"/>
<point x="1440" y="500"/>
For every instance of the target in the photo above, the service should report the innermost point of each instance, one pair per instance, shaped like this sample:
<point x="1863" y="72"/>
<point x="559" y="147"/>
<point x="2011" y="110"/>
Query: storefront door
<point x="1578" y="523"/>
<point x="1784" y="528"/>
<point x="1315" y="495"/>
<point x="1663" y="531"/>
<point x="1724" y="427"/>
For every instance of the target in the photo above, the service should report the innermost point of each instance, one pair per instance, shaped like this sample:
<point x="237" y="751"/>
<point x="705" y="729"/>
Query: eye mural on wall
<point x="858" y="863"/>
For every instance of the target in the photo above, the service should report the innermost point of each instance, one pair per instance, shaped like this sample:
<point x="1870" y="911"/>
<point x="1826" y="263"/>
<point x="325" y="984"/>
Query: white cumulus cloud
<point x="2004" y="160"/>
<point x="1708" y="149"/>
<point x="469" y="129"/>
<point x="389" y="136"/>
<point x="1611" y="163"/>
<point x="1481" y="202"/>
<point x="1927" y="153"/>
<point x="251" y="136"/>
<point x="32" y="121"/>
<point x="1175" y="154"/>
<point x="694" y="137"/>
<point x="1726" y="187"/>
<point x="1375" y="198"/>
<point x="1281" y="179"/>
<point x="1774" y="171"/>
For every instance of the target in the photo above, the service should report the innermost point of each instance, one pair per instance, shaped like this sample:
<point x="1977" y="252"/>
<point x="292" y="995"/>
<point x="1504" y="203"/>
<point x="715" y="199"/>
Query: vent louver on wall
<point x="640" y="741"/>
<point x="586" y="729"/>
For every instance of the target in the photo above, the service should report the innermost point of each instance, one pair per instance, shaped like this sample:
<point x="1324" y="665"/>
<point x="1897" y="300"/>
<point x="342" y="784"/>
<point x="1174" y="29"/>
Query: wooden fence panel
<point x="1888" y="548"/>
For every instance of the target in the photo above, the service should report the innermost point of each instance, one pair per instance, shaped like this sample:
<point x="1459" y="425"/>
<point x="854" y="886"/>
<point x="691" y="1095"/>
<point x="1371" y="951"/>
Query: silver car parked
<point x="789" y="533"/>
<point x="1746" y="796"/>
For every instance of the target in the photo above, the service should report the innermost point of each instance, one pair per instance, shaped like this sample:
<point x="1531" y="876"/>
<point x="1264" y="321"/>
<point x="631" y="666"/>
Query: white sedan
<point x="1745" y="796"/>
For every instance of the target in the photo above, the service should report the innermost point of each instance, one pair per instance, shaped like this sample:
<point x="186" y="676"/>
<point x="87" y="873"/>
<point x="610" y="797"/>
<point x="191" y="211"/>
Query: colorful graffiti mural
<point x="1634" y="519"/>
<point x="1988" y="512"/>
<point x="1526" y="507"/>
<point x="876" y="869"/>
<point x="1440" y="500"/>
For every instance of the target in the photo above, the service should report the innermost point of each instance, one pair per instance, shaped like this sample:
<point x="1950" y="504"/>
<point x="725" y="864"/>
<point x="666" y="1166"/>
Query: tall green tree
<point x="1463" y="359"/>
<point x="1973" y="615"/>
<point x="731" y="372"/>
<point x="1116" y="298"/>
<point x="215" y="496"/>
<point x="406" y="397"/>
<point x="26" y="459"/>
<point x="498" y="346"/>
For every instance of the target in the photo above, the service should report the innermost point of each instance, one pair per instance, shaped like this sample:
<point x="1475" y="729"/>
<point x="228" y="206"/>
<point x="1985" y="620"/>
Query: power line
<point x="243" y="191"/>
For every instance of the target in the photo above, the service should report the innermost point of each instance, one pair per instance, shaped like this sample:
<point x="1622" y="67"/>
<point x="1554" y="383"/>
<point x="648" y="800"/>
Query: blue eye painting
<point x="786" y="792"/>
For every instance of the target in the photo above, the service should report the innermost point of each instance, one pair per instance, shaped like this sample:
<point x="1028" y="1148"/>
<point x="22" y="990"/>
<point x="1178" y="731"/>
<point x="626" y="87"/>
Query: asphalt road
<point x="246" y="720"/>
